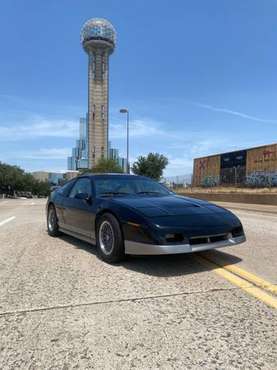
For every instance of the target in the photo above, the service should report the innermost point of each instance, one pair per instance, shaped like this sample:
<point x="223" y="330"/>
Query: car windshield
<point x="114" y="186"/>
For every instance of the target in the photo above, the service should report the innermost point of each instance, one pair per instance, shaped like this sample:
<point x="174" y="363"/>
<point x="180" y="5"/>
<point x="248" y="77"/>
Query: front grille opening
<point x="218" y="238"/>
<point x="207" y="239"/>
<point x="174" y="238"/>
<point x="237" y="231"/>
<point x="198" y="240"/>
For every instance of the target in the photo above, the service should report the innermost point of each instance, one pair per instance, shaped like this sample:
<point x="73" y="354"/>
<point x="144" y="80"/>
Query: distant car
<point x="22" y="194"/>
<point x="127" y="214"/>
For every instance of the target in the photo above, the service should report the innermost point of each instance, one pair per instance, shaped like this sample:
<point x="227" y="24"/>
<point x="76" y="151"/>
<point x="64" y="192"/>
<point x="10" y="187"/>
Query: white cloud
<point x="180" y="163"/>
<point x="233" y="112"/>
<point x="37" y="127"/>
<point x="180" y="144"/>
<point x="138" y="128"/>
<point x="43" y="154"/>
<point x="180" y="147"/>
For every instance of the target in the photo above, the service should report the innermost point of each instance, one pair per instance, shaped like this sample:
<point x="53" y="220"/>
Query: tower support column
<point x="98" y="96"/>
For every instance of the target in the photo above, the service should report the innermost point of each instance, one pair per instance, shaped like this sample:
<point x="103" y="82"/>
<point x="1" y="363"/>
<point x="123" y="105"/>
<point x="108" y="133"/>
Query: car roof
<point x="107" y="175"/>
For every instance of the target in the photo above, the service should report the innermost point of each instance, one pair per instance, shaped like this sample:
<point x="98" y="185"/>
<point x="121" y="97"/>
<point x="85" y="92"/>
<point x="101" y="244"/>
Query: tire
<point x="52" y="222"/>
<point x="109" y="239"/>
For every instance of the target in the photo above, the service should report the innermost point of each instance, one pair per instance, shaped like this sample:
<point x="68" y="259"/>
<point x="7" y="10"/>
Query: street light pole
<point x="128" y="165"/>
<point x="125" y="110"/>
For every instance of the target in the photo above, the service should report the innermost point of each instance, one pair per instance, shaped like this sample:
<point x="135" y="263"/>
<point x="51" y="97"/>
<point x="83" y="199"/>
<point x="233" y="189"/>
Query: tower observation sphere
<point x="97" y="31"/>
<point x="98" y="38"/>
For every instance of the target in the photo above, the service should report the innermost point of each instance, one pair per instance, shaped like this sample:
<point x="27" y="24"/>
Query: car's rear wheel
<point x="110" y="243"/>
<point x="52" y="221"/>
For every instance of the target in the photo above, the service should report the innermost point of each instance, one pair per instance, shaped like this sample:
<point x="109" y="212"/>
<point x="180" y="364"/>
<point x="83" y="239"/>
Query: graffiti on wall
<point x="209" y="181"/>
<point x="267" y="156"/>
<point x="202" y="164"/>
<point x="262" y="178"/>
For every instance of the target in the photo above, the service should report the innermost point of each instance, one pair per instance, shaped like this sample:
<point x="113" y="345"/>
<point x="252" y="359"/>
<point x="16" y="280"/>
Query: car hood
<point x="171" y="205"/>
<point x="191" y="216"/>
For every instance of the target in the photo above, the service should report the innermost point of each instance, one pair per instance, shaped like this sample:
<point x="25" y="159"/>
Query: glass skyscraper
<point x="79" y="157"/>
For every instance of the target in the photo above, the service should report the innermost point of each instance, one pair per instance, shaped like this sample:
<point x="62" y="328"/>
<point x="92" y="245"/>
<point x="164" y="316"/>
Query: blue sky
<point x="199" y="77"/>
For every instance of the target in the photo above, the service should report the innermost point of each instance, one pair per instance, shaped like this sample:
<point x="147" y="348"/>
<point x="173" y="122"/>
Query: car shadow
<point x="177" y="264"/>
<point x="78" y="244"/>
<point x="164" y="265"/>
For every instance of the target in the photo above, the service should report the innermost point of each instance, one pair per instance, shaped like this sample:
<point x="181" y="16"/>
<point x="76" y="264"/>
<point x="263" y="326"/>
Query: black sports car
<point x="127" y="214"/>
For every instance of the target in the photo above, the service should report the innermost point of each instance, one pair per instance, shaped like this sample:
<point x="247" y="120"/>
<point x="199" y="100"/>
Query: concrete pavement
<point x="259" y="254"/>
<point x="260" y="208"/>
<point x="63" y="308"/>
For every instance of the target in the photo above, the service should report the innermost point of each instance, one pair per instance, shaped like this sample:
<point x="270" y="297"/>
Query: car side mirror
<point x="83" y="196"/>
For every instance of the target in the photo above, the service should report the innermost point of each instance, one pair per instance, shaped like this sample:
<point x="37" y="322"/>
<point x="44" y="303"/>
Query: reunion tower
<point x="98" y="38"/>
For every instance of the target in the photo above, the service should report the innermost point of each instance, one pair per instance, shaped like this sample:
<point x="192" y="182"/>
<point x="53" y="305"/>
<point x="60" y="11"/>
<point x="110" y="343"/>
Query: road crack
<point x="112" y="301"/>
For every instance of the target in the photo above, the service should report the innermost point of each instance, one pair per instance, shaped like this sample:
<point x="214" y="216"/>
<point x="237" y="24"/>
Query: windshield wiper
<point x="148" y="192"/>
<point x="109" y="193"/>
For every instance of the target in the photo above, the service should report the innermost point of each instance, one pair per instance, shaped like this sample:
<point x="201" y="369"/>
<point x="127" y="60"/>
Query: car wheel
<point x="52" y="222"/>
<point x="110" y="243"/>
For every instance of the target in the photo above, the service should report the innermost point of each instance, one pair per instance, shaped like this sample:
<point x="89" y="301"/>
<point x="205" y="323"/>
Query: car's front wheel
<point x="110" y="243"/>
<point x="52" y="221"/>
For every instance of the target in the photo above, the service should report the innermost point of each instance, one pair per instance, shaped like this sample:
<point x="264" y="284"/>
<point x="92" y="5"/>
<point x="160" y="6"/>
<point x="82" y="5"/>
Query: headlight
<point x="237" y="231"/>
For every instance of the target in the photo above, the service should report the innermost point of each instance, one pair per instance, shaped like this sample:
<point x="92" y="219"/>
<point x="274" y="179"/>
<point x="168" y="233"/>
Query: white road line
<point x="3" y="202"/>
<point x="7" y="220"/>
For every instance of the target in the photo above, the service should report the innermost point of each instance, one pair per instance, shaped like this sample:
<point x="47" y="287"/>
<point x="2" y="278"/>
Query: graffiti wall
<point x="256" y="167"/>
<point x="262" y="179"/>
<point x="262" y="166"/>
<point x="210" y="181"/>
<point x="206" y="170"/>
<point x="262" y="159"/>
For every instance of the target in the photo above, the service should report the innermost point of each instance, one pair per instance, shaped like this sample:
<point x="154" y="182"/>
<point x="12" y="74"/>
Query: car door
<point x="60" y="199"/>
<point x="78" y="215"/>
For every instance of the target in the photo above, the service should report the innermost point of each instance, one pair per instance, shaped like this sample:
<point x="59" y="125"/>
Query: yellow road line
<point x="241" y="283"/>
<point x="256" y="280"/>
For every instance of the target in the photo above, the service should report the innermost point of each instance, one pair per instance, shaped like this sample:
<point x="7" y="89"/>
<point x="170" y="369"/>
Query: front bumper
<point x="132" y="247"/>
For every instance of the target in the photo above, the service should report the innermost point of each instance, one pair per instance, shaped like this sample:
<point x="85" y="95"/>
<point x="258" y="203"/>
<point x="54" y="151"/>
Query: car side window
<point x="64" y="190"/>
<point x="81" y="186"/>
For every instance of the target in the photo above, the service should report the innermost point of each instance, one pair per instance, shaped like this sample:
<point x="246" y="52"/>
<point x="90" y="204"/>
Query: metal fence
<point x="181" y="181"/>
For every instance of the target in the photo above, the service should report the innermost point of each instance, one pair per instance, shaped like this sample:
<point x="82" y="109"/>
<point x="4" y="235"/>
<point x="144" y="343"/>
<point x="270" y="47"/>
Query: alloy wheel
<point x="106" y="237"/>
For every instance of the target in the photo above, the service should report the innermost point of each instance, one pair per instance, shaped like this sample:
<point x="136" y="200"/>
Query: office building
<point x="79" y="157"/>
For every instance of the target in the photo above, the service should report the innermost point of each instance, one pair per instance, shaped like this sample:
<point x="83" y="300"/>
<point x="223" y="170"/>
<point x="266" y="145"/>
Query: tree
<point x="83" y="170"/>
<point x="151" y="165"/>
<point x="105" y="165"/>
<point x="41" y="188"/>
<point x="13" y="178"/>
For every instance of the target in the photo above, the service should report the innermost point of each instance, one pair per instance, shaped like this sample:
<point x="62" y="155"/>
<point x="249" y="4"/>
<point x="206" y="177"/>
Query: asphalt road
<point x="63" y="308"/>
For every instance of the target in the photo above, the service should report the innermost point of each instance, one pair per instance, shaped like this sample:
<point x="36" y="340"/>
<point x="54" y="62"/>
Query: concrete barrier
<point x="268" y="199"/>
